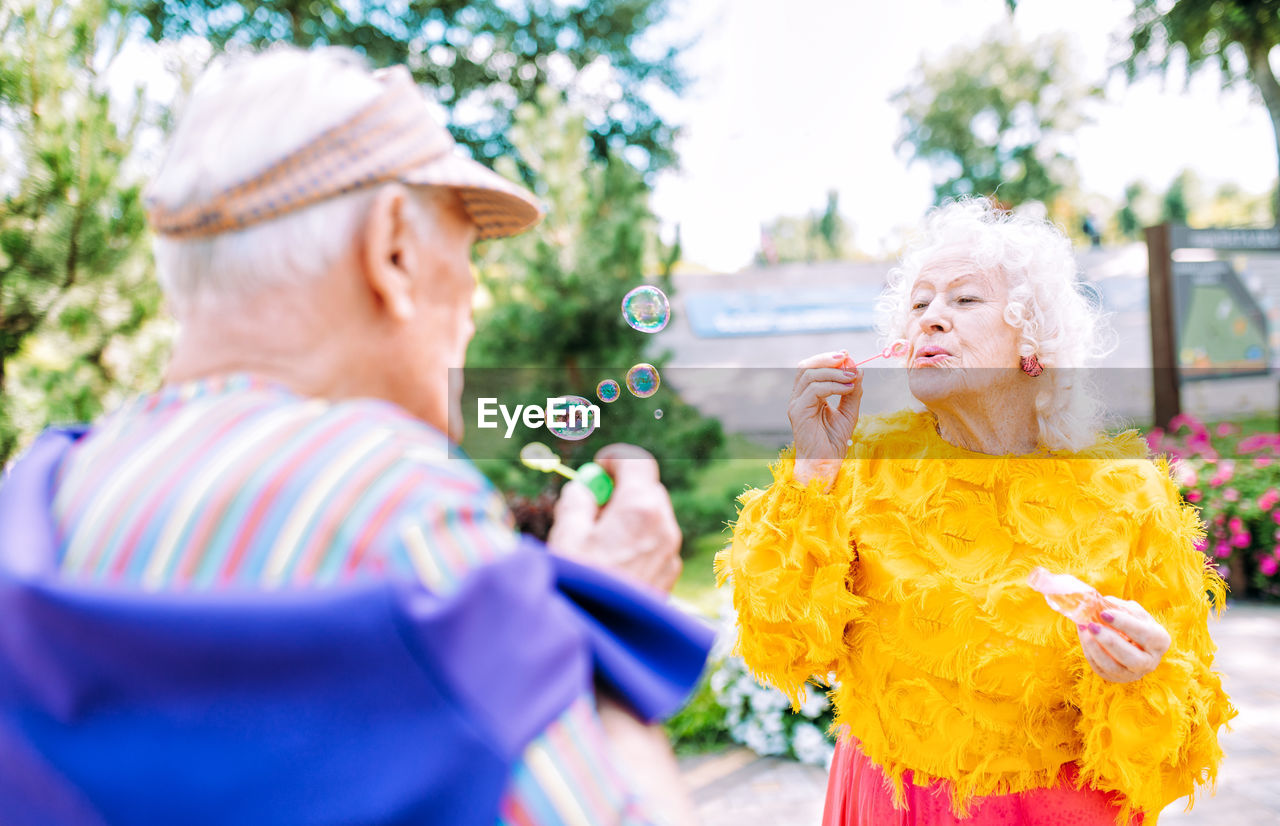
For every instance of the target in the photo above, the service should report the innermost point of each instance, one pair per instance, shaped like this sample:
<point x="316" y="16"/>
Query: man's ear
<point x="388" y="252"/>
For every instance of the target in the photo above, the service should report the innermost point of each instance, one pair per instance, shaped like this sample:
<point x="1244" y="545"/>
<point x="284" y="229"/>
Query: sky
<point x="789" y="104"/>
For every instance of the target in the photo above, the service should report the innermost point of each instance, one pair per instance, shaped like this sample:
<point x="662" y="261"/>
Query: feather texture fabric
<point x="908" y="581"/>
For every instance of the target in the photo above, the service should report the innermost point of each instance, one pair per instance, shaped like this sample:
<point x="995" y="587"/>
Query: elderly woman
<point x="893" y="554"/>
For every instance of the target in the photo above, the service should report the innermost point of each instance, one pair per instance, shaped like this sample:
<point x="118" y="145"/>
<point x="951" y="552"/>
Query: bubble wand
<point x="897" y="349"/>
<point x="539" y="457"/>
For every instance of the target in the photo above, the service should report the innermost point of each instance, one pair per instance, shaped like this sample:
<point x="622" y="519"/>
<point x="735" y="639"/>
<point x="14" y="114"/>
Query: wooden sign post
<point x="1163" y="244"/>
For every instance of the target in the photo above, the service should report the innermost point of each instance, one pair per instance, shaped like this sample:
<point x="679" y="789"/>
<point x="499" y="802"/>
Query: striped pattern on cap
<point x="393" y="138"/>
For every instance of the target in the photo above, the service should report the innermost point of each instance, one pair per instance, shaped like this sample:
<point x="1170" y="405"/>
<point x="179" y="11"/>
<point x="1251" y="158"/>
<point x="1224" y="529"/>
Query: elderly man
<point x="314" y="226"/>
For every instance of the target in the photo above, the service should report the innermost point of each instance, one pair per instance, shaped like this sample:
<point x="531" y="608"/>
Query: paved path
<point x="737" y="788"/>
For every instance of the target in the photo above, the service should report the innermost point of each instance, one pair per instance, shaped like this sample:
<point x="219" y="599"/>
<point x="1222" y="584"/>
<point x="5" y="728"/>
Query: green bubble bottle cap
<point x="540" y="457"/>
<point x="597" y="481"/>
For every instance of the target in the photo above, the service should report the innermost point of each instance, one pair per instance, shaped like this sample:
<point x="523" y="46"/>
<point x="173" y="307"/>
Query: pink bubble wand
<point x="897" y="349"/>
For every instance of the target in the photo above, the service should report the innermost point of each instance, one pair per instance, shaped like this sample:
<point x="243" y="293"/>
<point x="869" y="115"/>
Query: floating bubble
<point x="646" y="309"/>
<point x="642" y="380"/>
<point x="572" y="418"/>
<point x="657" y="414"/>
<point x="608" y="391"/>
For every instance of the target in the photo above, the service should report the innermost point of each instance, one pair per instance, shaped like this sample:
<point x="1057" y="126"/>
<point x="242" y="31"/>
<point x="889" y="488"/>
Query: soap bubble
<point x="608" y="390"/>
<point x="572" y="418"/>
<point x="538" y="456"/>
<point x="657" y="414"/>
<point x="642" y="380"/>
<point x="646" y="309"/>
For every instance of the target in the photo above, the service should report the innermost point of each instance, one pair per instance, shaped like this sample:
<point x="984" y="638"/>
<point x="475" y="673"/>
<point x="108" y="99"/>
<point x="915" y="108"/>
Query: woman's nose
<point x="934" y="318"/>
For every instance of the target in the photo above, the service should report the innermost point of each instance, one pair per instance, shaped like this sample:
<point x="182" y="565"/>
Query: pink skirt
<point x="858" y="794"/>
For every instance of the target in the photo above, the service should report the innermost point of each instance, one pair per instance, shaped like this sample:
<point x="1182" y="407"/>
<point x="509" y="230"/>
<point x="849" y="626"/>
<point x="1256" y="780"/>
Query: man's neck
<point x="284" y="351"/>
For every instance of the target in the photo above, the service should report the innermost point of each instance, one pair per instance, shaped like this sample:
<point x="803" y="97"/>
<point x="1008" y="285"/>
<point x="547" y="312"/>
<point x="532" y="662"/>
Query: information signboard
<point x="781" y="312"/>
<point x="1221" y="330"/>
<point x="1206" y="317"/>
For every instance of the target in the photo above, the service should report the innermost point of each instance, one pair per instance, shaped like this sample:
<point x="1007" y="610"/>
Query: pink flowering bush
<point x="1234" y="479"/>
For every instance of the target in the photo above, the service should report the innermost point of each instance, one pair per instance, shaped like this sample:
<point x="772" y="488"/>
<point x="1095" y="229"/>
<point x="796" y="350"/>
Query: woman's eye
<point x="919" y="305"/>
<point x="967" y="299"/>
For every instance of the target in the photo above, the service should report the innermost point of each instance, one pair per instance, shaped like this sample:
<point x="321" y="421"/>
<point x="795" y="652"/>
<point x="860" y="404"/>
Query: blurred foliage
<point x="553" y="323"/>
<point x="1236" y="37"/>
<point x="699" y="726"/>
<point x="76" y="284"/>
<point x="80" y="321"/>
<point x="1232" y="206"/>
<point x="1175" y="205"/>
<point x="482" y="58"/>
<point x="709" y="506"/>
<point x="997" y="119"/>
<point x="1188" y="200"/>
<point x="1136" y="212"/>
<point x="822" y="235"/>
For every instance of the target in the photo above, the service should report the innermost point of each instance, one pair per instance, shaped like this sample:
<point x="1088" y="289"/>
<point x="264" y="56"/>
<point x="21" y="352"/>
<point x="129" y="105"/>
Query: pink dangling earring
<point x="1032" y="366"/>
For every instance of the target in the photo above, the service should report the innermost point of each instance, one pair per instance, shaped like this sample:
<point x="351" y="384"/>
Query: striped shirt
<point x="233" y="482"/>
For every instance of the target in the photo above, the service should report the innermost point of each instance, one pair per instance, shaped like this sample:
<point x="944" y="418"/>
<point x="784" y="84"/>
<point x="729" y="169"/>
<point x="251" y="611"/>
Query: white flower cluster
<point x="760" y="716"/>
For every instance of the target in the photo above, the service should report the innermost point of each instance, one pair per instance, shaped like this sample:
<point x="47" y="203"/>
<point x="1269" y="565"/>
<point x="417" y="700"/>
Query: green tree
<point x="75" y="282"/>
<point x="820" y="235"/>
<point x="1237" y="37"/>
<point x="552" y="324"/>
<point x="996" y="119"/>
<point x="1232" y="206"/>
<point x="831" y="226"/>
<point x="1132" y="215"/>
<point x="1180" y="198"/>
<point x="482" y="57"/>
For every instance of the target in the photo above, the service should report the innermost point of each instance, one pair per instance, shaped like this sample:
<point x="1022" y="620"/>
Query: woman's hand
<point x="821" y="432"/>
<point x="1112" y="656"/>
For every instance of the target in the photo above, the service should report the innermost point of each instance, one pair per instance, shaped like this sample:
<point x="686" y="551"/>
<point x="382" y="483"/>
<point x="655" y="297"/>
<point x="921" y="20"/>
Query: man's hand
<point x="635" y="535"/>
<point x="1129" y="646"/>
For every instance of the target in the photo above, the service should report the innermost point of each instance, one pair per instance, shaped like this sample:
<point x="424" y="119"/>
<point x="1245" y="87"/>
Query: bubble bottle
<point x="1075" y="600"/>
<point x="539" y="457"/>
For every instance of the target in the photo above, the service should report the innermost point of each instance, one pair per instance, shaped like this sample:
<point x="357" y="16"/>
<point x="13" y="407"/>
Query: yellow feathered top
<point x="908" y="581"/>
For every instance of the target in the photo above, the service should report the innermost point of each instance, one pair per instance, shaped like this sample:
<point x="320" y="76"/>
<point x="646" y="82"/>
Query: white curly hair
<point x="1059" y="324"/>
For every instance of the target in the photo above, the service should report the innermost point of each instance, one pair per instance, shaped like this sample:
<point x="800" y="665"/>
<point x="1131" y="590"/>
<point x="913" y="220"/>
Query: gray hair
<point x="245" y="112"/>
<point x="1058" y="323"/>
